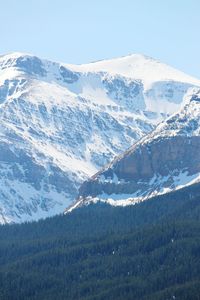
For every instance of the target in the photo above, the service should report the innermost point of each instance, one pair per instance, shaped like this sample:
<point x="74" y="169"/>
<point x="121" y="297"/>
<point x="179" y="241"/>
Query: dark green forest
<point x="148" y="251"/>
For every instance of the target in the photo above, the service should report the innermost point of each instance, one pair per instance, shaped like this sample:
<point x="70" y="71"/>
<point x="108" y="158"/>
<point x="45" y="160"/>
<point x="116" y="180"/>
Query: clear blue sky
<point x="80" y="31"/>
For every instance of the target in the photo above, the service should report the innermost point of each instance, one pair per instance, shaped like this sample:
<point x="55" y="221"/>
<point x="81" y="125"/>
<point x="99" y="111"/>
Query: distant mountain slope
<point x="60" y="124"/>
<point x="164" y="160"/>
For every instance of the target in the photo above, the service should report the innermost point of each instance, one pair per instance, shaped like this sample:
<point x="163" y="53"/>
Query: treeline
<point x="148" y="251"/>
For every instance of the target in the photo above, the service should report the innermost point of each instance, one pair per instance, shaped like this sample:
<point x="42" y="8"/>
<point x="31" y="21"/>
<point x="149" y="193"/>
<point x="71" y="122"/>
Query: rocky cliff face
<point x="166" y="159"/>
<point x="61" y="123"/>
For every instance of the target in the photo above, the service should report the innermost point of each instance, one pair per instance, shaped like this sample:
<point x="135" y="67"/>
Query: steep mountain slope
<point x="164" y="160"/>
<point x="60" y="124"/>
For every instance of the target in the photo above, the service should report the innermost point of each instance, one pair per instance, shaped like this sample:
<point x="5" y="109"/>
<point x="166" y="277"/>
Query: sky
<point x="81" y="31"/>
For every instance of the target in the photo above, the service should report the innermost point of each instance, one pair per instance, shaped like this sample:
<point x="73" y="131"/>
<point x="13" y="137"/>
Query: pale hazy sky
<point x="82" y="31"/>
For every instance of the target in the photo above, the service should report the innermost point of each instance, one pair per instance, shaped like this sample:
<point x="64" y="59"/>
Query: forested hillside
<point x="147" y="251"/>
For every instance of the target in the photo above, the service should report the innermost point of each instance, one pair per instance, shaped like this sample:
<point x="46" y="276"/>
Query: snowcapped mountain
<point x="165" y="160"/>
<point x="163" y="86"/>
<point x="61" y="123"/>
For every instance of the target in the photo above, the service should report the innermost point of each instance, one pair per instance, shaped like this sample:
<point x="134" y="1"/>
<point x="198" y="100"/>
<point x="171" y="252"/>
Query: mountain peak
<point x="137" y="66"/>
<point x="128" y="57"/>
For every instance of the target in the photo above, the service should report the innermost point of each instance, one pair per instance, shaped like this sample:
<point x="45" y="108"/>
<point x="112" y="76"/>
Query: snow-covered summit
<point x="138" y="66"/>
